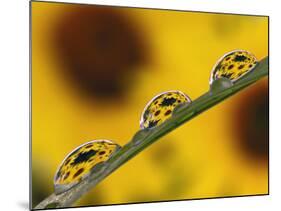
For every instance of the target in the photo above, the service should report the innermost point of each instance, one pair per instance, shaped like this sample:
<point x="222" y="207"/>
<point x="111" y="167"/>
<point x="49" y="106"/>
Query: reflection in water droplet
<point x="233" y="65"/>
<point x="161" y="107"/>
<point x="83" y="160"/>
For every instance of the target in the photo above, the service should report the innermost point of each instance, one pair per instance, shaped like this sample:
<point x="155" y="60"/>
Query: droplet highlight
<point x="161" y="107"/>
<point x="233" y="66"/>
<point x="79" y="163"/>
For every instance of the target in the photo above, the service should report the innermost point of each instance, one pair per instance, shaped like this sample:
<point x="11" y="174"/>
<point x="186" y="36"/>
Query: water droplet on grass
<point x="81" y="162"/>
<point x="161" y="108"/>
<point x="233" y="66"/>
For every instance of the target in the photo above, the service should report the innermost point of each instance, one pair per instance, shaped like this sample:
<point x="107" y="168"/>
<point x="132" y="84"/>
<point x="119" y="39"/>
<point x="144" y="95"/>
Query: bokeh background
<point x="94" y="68"/>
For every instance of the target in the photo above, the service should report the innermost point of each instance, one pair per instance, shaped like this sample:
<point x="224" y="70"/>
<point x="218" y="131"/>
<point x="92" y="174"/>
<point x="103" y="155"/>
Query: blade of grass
<point x="144" y="138"/>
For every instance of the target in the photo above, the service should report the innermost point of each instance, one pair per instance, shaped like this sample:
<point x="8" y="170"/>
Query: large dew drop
<point x="79" y="163"/>
<point x="233" y="66"/>
<point x="161" y="107"/>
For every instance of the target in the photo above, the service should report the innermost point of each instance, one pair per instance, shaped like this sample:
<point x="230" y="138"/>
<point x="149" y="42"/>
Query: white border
<point x="15" y="103"/>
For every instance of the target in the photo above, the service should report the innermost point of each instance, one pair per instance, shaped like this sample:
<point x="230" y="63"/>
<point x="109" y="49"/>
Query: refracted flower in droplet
<point x="233" y="65"/>
<point x="78" y="164"/>
<point x="161" y="107"/>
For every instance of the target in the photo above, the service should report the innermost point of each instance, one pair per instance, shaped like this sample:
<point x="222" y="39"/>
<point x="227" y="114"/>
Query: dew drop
<point x="76" y="164"/>
<point x="233" y="66"/>
<point x="155" y="114"/>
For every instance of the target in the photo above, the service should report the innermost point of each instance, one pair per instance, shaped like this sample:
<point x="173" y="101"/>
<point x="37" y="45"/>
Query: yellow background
<point x="197" y="160"/>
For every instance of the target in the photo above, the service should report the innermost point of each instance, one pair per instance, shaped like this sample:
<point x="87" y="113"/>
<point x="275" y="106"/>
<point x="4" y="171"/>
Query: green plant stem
<point x="144" y="138"/>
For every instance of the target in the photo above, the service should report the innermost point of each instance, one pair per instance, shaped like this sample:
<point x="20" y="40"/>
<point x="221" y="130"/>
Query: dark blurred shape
<point x="251" y="121"/>
<point x="99" y="48"/>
